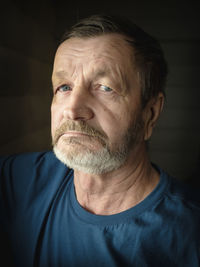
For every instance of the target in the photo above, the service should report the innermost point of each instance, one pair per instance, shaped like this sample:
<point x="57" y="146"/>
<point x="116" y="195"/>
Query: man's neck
<point x="117" y="191"/>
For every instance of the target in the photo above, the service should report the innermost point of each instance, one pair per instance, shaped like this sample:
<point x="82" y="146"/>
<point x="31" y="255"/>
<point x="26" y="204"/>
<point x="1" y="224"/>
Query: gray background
<point x="29" y="32"/>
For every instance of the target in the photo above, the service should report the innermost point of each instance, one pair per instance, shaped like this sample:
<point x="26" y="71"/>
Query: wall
<point x="30" y="32"/>
<point x="27" y="48"/>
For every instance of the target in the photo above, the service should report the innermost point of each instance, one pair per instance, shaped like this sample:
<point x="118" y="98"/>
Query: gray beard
<point x="103" y="160"/>
<point x="95" y="162"/>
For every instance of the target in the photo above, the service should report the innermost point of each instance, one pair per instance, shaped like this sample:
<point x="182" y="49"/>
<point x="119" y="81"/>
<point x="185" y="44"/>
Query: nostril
<point x="78" y="113"/>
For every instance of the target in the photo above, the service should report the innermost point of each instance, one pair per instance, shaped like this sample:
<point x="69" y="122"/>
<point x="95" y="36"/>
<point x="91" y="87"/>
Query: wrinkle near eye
<point x="109" y="76"/>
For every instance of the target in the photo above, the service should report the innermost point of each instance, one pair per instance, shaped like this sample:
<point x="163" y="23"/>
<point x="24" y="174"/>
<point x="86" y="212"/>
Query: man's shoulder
<point x="24" y="177"/>
<point x="184" y="192"/>
<point x="29" y="160"/>
<point x="35" y="166"/>
<point x="174" y="190"/>
<point x="182" y="201"/>
<point x="29" y="157"/>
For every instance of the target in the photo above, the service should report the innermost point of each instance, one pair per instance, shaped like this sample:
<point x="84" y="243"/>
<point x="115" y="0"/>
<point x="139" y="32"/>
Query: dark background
<point x="29" y="31"/>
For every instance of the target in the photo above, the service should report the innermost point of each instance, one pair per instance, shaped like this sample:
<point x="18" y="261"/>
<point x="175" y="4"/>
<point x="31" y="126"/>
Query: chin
<point x="94" y="162"/>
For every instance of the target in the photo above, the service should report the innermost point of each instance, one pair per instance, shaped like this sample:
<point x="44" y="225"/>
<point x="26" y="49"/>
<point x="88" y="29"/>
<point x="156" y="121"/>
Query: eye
<point x="106" y="88"/>
<point x="64" y="88"/>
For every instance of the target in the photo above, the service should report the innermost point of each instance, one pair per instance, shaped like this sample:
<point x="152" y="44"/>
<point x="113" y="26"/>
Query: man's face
<point x="96" y="110"/>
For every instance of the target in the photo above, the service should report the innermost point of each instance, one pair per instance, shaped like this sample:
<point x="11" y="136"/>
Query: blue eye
<point x="106" y="88"/>
<point x="64" y="88"/>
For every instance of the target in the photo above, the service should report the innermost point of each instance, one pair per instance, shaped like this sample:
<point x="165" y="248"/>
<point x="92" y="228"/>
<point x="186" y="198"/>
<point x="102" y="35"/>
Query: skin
<point x="87" y="66"/>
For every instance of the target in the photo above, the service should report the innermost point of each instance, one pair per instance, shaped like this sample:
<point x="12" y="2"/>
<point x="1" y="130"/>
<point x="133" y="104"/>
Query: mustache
<point x="79" y="126"/>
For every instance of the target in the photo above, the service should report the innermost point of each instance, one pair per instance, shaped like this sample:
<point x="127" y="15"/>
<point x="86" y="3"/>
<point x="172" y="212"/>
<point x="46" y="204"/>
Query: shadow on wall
<point x="25" y="91"/>
<point x="176" y="141"/>
<point x="25" y="113"/>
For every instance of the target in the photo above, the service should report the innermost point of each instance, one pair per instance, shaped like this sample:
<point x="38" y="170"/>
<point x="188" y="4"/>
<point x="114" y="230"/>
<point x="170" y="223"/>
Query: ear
<point x="151" y="114"/>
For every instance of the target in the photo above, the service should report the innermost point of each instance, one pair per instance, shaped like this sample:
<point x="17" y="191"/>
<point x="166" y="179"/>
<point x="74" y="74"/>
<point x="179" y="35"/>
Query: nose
<point x="78" y="106"/>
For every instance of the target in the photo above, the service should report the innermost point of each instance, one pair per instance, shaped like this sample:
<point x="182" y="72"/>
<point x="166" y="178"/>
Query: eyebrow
<point x="102" y="73"/>
<point x="61" y="74"/>
<point x="97" y="74"/>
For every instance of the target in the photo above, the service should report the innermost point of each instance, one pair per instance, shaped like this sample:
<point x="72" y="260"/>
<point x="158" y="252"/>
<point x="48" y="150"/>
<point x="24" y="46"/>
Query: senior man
<point x="98" y="200"/>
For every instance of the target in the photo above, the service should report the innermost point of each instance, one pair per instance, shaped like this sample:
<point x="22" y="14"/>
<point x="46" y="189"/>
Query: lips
<point x="75" y="133"/>
<point x="78" y="129"/>
<point x="80" y="138"/>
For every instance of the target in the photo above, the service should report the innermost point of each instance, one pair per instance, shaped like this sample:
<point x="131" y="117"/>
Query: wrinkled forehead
<point x="112" y="49"/>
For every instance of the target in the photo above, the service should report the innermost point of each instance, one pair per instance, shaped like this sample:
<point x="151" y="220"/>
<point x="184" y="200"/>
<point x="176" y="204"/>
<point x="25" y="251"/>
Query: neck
<point x="117" y="191"/>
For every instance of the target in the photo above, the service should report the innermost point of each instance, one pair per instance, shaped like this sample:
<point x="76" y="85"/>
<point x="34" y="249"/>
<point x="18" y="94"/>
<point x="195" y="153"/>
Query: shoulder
<point x="31" y="164"/>
<point x="27" y="174"/>
<point x="184" y="193"/>
<point x="27" y="163"/>
<point x="175" y="190"/>
<point x="181" y="203"/>
<point x="29" y="158"/>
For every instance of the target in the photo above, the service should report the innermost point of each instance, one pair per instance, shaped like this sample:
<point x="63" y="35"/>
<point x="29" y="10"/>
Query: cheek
<point x="111" y="118"/>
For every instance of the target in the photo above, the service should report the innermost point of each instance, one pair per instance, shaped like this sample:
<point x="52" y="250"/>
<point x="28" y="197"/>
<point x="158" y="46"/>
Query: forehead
<point x="107" y="49"/>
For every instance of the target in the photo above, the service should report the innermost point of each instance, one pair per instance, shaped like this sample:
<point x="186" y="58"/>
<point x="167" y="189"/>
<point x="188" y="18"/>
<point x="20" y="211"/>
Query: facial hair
<point x="106" y="159"/>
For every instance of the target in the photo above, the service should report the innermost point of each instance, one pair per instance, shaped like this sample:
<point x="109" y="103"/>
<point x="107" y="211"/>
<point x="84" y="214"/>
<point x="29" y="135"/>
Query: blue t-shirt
<point x="44" y="225"/>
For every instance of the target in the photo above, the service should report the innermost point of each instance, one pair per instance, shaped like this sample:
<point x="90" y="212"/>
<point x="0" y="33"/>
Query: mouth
<point x="79" y="137"/>
<point x="75" y="133"/>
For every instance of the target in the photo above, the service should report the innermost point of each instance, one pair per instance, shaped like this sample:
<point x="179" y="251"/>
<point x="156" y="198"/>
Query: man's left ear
<point x="151" y="114"/>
